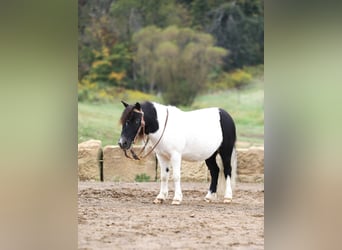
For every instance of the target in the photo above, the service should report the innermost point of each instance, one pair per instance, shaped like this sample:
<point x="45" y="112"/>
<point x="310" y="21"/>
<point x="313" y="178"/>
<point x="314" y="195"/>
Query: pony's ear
<point x="137" y="106"/>
<point x="124" y="103"/>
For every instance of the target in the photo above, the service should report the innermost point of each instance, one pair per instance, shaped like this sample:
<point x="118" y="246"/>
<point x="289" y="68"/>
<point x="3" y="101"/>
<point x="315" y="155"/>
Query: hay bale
<point x="194" y="171"/>
<point x="250" y="165"/>
<point x="116" y="167"/>
<point x="89" y="153"/>
<point x="191" y="172"/>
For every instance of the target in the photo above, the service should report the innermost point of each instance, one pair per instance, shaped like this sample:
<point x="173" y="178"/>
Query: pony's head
<point x="132" y="121"/>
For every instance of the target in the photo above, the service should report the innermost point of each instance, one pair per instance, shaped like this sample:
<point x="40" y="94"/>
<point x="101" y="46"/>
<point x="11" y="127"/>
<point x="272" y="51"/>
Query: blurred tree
<point x="178" y="59"/>
<point x="239" y="27"/>
<point x="95" y="30"/>
<point x="199" y="11"/>
<point x="132" y="15"/>
<point x="110" y="65"/>
<point x="108" y="25"/>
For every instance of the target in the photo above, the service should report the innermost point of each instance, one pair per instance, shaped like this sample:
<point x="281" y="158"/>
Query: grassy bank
<point x="101" y="121"/>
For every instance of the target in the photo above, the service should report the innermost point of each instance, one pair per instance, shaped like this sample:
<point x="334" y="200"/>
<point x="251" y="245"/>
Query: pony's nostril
<point x="123" y="143"/>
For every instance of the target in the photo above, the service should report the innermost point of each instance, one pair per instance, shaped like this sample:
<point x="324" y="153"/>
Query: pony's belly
<point x="200" y="151"/>
<point x="196" y="157"/>
<point x="196" y="150"/>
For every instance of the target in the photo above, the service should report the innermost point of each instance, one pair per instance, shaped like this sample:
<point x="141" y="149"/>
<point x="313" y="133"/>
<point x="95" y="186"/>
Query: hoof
<point x="210" y="197"/>
<point x="158" y="201"/>
<point x="207" y="200"/>
<point x="176" y="202"/>
<point x="227" y="200"/>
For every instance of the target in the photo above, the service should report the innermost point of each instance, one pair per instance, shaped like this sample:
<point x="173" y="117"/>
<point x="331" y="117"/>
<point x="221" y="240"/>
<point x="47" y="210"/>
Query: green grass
<point x="142" y="178"/>
<point x="245" y="106"/>
<point x="101" y="121"/>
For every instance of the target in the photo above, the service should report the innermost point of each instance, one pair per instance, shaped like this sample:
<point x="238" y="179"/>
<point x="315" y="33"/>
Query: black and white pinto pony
<point x="192" y="136"/>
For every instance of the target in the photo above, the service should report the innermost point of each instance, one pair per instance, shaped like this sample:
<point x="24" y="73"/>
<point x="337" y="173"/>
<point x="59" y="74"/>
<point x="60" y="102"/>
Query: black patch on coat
<point x="150" y="117"/>
<point x="228" y="130"/>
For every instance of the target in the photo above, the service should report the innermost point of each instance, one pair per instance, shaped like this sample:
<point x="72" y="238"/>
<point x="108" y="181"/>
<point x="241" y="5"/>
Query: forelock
<point x="126" y="113"/>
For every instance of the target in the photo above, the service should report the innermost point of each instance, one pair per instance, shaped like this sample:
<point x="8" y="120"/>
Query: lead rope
<point x="139" y="157"/>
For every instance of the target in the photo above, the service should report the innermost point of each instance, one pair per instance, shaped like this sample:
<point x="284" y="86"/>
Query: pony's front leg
<point x="176" y="161"/>
<point x="164" y="177"/>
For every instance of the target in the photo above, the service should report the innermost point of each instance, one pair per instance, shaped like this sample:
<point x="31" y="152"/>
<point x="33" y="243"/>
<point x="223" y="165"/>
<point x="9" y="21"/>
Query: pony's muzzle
<point x="123" y="143"/>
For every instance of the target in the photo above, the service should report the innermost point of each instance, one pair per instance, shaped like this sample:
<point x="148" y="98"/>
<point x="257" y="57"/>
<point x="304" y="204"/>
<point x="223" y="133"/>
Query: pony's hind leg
<point x="229" y="174"/>
<point x="226" y="150"/>
<point x="164" y="178"/>
<point x="214" y="172"/>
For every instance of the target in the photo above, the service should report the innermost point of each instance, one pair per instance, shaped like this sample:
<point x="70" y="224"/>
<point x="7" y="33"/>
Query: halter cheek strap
<point x="142" y="124"/>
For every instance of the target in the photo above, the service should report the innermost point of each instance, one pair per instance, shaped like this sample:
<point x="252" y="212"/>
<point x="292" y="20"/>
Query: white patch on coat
<point x="195" y="135"/>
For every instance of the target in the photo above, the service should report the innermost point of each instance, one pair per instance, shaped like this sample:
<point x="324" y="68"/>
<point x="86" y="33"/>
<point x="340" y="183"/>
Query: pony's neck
<point x="150" y="117"/>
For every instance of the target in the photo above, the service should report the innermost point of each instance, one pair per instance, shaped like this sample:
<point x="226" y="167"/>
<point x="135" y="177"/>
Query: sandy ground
<point x="122" y="216"/>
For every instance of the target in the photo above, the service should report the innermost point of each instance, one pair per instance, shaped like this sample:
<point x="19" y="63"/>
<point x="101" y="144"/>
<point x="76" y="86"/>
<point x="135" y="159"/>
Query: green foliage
<point x="239" y="27"/>
<point x="86" y="91"/>
<point x="199" y="9"/>
<point x="142" y="178"/>
<point x="256" y="71"/>
<point x="179" y="59"/>
<point x="238" y="79"/>
<point x="96" y="29"/>
<point x="110" y="65"/>
<point x="132" y="15"/>
<point x="101" y="93"/>
<point x="95" y="92"/>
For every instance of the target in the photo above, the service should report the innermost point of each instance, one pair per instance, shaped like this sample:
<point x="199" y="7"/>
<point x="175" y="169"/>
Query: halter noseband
<point x="142" y="127"/>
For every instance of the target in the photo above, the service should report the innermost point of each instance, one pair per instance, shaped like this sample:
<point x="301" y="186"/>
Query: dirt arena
<point x="122" y="216"/>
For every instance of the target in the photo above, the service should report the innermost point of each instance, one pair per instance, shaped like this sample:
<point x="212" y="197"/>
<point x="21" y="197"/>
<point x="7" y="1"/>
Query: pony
<point x="176" y="135"/>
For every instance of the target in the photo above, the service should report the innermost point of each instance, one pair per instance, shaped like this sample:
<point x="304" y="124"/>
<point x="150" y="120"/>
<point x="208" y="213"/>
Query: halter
<point x="142" y="127"/>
